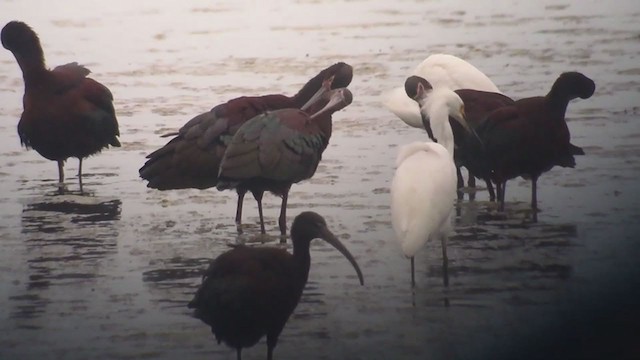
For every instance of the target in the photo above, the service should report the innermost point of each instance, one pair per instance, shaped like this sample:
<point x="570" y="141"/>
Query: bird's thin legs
<point x="80" y="174"/>
<point x="282" y="221"/>
<point x="460" y="183"/>
<point x="239" y="353"/>
<point x="239" y="210"/>
<point x="413" y="276"/>
<point x="271" y="344"/>
<point x="445" y="262"/>
<point x="492" y="194"/>
<point x="501" y="187"/>
<point x="258" y="196"/>
<point x="60" y="171"/>
<point x="534" y="198"/>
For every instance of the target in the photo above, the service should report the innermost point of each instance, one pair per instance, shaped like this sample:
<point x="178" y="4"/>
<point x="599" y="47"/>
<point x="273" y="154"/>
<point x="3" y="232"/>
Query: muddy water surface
<point x="108" y="274"/>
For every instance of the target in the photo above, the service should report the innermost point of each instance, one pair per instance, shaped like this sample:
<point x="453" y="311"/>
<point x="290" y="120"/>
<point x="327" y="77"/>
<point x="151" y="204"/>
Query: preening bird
<point x="453" y="73"/>
<point x="250" y="292"/>
<point x="274" y="150"/>
<point x="191" y="159"/>
<point x="530" y="136"/>
<point x="66" y="114"/>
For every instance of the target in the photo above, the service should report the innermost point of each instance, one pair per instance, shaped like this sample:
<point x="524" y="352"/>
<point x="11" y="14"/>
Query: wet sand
<point x="107" y="275"/>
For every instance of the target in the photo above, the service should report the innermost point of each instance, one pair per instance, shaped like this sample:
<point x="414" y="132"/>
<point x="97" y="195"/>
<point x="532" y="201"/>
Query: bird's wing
<point x="281" y="145"/>
<point x="243" y="285"/>
<point x="192" y="158"/>
<point x="90" y="101"/>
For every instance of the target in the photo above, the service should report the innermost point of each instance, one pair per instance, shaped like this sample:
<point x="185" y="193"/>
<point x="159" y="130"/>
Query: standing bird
<point x="443" y="71"/>
<point x="279" y="148"/>
<point x="66" y="114"/>
<point x="249" y="292"/>
<point x="424" y="185"/>
<point x="422" y="195"/>
<point x="192" y="158"/>
<point x="530" y="136"/>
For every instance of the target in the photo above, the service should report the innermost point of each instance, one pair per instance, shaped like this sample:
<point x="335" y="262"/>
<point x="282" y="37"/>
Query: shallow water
<point x="108" y="274"/>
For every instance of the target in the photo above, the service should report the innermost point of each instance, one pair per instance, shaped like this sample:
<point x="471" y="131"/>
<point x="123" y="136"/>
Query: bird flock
<point x="268" y="143"/>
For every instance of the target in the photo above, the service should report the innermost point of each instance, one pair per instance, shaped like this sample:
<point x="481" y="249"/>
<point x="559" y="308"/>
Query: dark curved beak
<point x="326" y="86"/>
<point x="463" y="121"/>
<point x="328" y="236"/>
<point x="427" y="126"/>
<point x="340" y="98"/>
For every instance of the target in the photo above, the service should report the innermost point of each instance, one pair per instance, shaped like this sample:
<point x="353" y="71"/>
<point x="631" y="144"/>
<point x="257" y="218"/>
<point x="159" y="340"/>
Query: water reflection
<point x="67" y="238"/>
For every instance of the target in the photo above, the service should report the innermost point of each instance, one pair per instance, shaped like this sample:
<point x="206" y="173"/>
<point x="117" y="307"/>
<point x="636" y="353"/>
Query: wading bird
<point x="192" y="158"/>
<point x="279" y="148"/>
<point x="443" y="71"/>
<point x="529" y="137"/>
<point x="423" y="189"/>
<point x="250" y="292"/>
<point x="66" y="114"/>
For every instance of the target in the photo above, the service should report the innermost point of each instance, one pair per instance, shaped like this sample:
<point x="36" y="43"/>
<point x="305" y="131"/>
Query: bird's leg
<point x="460" y="183"/>
<point x="471" y="183"/>
<point x="501" y="187"/>
<point x="239" y="353"/>
<point x="534" y="198"/>
<point x="258" y="196"/>
<point x="413" y="276"/>
<point x="271" y="344"/>
<point x="239" y="210"/>
<point x="492" y="194"/>
<point x="445" y="262"/>
<point x="80" y="174"/>
<point x="60" y="172"/>
<point x="282" y="221"/>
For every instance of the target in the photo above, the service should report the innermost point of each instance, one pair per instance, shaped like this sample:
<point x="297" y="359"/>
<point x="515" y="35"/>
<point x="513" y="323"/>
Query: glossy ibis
<point x="423" y="192"/>
<point x="192" y="158"/>
<point x="442" y="71"/>
<point x="530" y="136"/>
<point x="279" y="148"/>
<point x="249" y="292"/>
<point x="66" y="114"/>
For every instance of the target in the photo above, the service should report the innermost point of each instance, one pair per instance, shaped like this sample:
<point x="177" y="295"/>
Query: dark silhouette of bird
<point x="279" y="148"/>
<point x="477" y="104"/>
<point x="66" y="114"/>
<point x="250" y="292"/>
<point x="192" y="158"/>
<point x="529" y="137"/>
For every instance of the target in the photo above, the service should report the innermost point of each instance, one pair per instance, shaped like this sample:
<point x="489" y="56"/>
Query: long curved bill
<point x="463" y="121"/>
<point x="326" y="86"/>
<point x="328" y="236"/>
<point x="427" y="126"/>
<point x="339" y="99"/>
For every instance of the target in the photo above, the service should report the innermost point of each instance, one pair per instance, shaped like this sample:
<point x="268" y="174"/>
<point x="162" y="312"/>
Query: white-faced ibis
<point x="423" y="192"/>
<point x="66" y="114"/>
<point x="443" y="71"/>
<point x="279" y="148"/>
<point x="192" y="158"/>
<point x="250" y="292"/>
<point x="530" y="136"/>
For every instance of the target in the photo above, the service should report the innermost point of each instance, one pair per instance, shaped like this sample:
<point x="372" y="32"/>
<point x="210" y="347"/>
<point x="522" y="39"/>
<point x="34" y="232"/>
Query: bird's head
<point x="310" y="225"/>
<point x="332" y="101"/>
<point x="336" y="76"/>
<point x="573" y="85"/>
<point x="19" y="38"/>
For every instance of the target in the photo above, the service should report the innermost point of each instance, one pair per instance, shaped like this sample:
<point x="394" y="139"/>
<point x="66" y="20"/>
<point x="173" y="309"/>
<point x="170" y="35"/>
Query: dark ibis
<point x="250" y="292"/>
<point x="66" y="114"/>
<point x="191" y="159"/>
<point x="529" y="137"/>
<point x="279" y="148"/>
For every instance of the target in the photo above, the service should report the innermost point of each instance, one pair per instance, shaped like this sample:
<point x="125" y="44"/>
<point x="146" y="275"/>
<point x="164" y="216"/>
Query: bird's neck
<point x="32" y="65"/>
<point x="302" y="259"/>
<point x="438" y="114"/>
<point x="558" y="99"/>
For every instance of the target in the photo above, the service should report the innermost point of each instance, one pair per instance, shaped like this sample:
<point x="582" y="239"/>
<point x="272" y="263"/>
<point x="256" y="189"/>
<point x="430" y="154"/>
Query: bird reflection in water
<point x="67" y="239"/>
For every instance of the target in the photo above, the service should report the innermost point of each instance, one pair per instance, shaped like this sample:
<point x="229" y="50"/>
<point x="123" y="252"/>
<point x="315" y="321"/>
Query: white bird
<point x="422" y="195"/>
<point x="440" y="70"/>
<point x="424" y="185"/>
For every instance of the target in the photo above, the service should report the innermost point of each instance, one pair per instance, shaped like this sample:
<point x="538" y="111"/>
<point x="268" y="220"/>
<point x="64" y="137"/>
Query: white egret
<point x="424" y="185"/>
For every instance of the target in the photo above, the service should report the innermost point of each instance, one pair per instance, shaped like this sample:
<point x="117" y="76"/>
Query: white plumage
<point x="441" y="70"/>
<point x="422" y="195"/>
